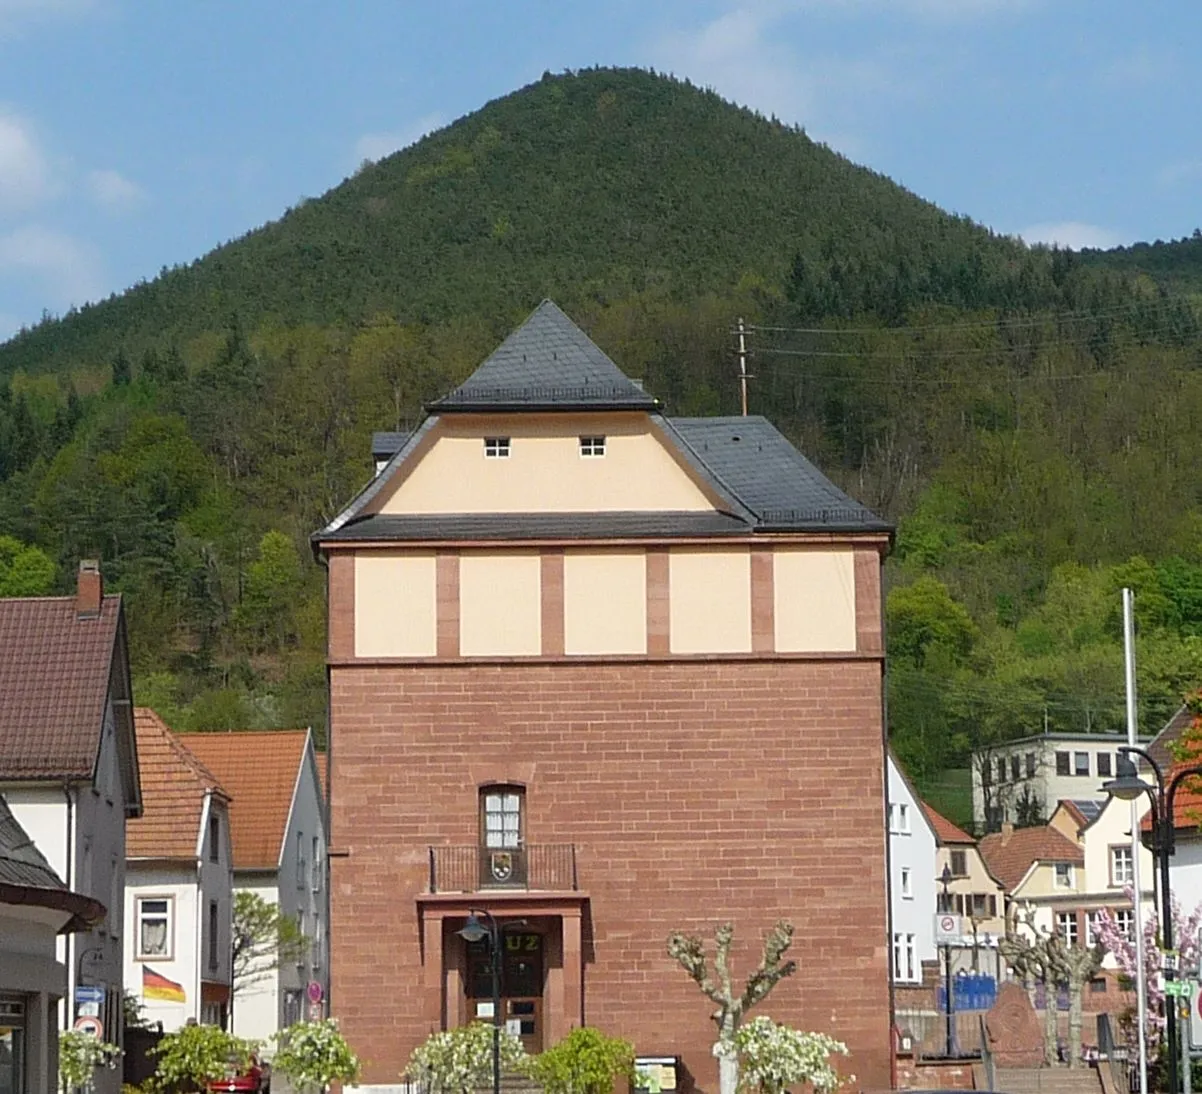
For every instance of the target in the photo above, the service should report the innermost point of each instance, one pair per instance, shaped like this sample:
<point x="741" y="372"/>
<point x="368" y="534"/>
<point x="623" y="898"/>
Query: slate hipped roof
<point x="550" y="364"/>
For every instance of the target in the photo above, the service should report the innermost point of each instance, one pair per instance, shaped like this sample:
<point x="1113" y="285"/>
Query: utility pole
<point x="743" y="364"/>
<point x="1136" y="900"/>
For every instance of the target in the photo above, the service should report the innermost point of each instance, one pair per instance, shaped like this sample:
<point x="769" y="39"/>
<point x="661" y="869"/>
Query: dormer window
<point x="496" y="448"/>
<point x="592" y="447"/>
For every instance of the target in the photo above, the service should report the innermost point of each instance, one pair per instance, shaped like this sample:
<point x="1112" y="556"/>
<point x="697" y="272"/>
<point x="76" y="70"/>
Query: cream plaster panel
<point x="395" y="605"/>
<point x="814" y="594"/>
<point x="545" y="471"/>
<point x="710" y="601"/>
<point x="605" y="602"/>
<point x="500" y="604"/>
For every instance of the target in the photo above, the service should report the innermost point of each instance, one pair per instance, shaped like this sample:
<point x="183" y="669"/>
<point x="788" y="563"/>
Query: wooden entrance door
<point x="522" y="972"/>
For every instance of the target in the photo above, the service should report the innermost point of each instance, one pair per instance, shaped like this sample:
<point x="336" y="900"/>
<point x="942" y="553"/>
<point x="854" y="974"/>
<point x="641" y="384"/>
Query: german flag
<point x="157" y="986"/>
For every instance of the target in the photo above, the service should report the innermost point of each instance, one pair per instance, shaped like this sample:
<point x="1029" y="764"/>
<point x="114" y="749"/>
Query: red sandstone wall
<point x="695" y="792"/>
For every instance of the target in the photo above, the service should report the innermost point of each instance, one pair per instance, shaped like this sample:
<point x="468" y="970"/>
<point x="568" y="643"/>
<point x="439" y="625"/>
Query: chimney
<point x="1007" y="832"/>
<point x="90" y="590"/>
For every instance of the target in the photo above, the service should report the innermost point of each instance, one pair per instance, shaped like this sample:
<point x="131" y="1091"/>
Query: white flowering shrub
<point x="79" y="1055"/>
<point x="460" y="1060"/>
<point x="774" y="1058"/>
<point x="312" y="1055"/>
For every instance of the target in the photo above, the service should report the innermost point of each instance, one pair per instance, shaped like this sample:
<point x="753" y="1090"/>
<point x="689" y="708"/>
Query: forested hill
<point x="1028" y="416"/>
<point x="585" y="187"/>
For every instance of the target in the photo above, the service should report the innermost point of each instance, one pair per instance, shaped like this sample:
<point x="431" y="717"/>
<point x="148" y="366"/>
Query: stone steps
<point x="1047" y="1080"/>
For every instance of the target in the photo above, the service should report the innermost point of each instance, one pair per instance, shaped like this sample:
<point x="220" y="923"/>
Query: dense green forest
<point x="1025" y="415"/>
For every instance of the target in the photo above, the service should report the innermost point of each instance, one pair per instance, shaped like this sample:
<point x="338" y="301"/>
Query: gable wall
<point x="510" y="601"/>
<point x="544" y="472"/>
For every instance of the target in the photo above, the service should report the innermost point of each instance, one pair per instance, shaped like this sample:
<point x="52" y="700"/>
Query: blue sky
<point x="136" y="134"/>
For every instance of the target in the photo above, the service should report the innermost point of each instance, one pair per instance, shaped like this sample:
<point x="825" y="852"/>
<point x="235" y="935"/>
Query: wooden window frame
<point x="482" y="795"/>
<point x="497" y="448"/>
<point x="139" y="900"/>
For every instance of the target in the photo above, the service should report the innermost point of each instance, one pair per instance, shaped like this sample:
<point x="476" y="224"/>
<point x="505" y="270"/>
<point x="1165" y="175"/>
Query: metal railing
<point x="470" y="869"/>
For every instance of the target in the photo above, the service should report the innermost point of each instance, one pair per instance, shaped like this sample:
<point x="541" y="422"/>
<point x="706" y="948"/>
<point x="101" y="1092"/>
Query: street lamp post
<point x="475" y="931"/>
<point x="952" y="1047"/>
<point x="1127" y="786"/>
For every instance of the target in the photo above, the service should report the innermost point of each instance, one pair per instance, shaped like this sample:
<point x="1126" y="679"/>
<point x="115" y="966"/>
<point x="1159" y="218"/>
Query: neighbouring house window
<point x="116" y="912"/>
<point x="300" y="860"/>
<point x="1092" y="919"/>
<point x="1080" y="763"/>
<point x="1066" y="927"/>
<point x="496" y="448"/>
<point x="986" y="774"/>
<point x="1015" y="767"/>
<point x="1062" y="759"/>
<point x="905" y="958"/>
<point x="1097" y="986"/>
<point x="214" y="839"/>
<point x="983" y="905"/>
<point x="1122" y="867"/>
<point x="995" y="817"/>
<point x="501" y="817"/>
<point x="318" y="871"/>
<point x="1001" y="769"/>
<point x="1064" y="875"/>
<point x="292" y="1006"/>
<point x="945" y="903"/>
<point x="959" y="863"/>
<point x="899" y="819"/>
<point x="1104" y="769"/>
<point x="154" y="927"/>
<point x="907" y="890"/>
<point x="1124" y="919"/>
<point x="592" y="446"/>
<point x="212" y="934"/>
<point x="1030" y="765"/>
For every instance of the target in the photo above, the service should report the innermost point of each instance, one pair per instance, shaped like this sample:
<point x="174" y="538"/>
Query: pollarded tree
<point x="733" y="1006"/>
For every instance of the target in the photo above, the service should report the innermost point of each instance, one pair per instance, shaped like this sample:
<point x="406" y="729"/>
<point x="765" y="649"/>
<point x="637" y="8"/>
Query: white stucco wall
<point x="257" y="1001"/>
<point x="81" y="832"/>
<point x="912" y="851"/>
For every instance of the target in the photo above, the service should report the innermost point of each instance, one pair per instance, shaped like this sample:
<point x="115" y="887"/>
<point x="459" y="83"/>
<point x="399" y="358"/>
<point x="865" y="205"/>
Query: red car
<point x="253" y="1079"/>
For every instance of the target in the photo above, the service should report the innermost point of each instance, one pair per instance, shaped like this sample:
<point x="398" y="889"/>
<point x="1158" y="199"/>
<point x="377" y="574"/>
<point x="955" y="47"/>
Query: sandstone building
<point x="603" y="674"/>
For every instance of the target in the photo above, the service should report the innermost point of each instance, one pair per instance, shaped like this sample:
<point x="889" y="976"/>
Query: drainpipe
<point x="69" y="1002"/>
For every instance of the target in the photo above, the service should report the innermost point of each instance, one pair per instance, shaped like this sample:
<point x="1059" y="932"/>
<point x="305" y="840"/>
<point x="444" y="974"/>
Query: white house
<point x="178" y="898"/>
<point x="1020" y="782"/>
<point x="35" y="909"/>
<point x="69" y="772"/>
<point x="279" y="847"/>
<point x="912" y="847"/>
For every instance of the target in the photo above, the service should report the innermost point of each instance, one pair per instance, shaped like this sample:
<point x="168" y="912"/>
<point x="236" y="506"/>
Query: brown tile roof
<point x="1161" y="748"/>
<point x="945" y="831"/>
<point x="174" y="783"/>
<point x="260" y="769"/>
<point x="1009" y="858"/>
<point x="54" y="679"/>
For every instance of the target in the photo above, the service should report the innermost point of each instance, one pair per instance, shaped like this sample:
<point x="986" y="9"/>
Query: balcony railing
<point x="544" y="866"/>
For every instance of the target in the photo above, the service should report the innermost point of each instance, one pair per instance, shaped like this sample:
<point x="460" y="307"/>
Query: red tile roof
<point x="945" y="831"/>
<point x="54" y="679"/>
<point x="260" y="769"/>
<point x="1009" y="858"/>
<point x="174" y="783"/>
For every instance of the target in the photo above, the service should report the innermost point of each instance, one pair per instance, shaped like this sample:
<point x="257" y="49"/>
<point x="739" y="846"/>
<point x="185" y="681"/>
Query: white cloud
<point x="68" y="270"/>
<point x="375" y="146"/>
<point x="1072" y="233"/>
<point x="113" y="191"/>
<point x="25" y="177"/>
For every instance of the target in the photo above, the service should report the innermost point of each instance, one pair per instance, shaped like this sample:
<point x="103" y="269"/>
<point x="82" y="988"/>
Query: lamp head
<point x="1127" y="785"/>
<point x="473" y="930"/>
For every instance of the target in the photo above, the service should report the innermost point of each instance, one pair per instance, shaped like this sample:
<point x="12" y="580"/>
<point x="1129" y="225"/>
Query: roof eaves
<point x="377" y="483"/>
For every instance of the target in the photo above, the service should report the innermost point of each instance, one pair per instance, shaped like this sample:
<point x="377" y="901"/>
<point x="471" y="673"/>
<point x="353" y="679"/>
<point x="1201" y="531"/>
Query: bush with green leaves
<point x="312" y="1055"/>
<point x="79" y="1055"/>
<point x="773" y="1058"/>
<point x="586" y="1061"/>
<point x="460" y="1060"/>
<point x="195" y="1055"/>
